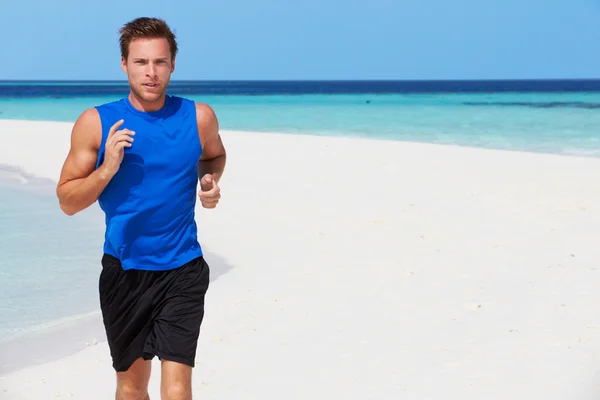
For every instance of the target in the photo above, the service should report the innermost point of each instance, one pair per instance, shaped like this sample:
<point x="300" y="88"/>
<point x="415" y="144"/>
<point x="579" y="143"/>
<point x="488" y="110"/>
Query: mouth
<point x="150" y="85"/>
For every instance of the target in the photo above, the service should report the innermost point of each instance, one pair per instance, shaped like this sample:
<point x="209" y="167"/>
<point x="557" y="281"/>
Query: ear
<point x="173" y="65"/>
<point x="124" y="64"/>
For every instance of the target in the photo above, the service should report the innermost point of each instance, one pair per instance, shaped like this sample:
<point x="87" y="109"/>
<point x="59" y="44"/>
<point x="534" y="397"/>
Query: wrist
<point x="105" y="173"/>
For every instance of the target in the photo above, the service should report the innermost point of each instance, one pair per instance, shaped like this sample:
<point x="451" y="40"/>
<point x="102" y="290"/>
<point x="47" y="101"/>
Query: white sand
<point x="375" y="270"/>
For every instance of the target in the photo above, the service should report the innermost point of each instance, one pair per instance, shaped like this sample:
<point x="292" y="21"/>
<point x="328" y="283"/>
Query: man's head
<point x="148" y="52"/>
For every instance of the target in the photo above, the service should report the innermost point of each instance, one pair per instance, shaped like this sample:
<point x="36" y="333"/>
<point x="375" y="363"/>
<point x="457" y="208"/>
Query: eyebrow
<point x="146" y="59"/>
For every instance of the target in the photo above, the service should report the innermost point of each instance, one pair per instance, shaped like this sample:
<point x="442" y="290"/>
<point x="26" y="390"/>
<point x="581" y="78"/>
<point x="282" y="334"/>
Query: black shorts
<point x="152" y="313"/>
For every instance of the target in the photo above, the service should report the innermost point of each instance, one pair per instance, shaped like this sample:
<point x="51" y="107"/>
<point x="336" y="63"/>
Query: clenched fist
<point x="210" y="193"/>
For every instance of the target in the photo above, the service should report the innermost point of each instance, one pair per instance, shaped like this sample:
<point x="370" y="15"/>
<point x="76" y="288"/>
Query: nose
<point x="151" y="70"/>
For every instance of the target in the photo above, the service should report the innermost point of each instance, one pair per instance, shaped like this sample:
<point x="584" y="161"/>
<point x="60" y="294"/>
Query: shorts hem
<point x="148" y="356"/>
<point x="167" y="357"/>
<point x="124" y="365"/>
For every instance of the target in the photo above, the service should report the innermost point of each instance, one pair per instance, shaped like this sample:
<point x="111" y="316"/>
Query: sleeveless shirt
<point x="149" y="204"/>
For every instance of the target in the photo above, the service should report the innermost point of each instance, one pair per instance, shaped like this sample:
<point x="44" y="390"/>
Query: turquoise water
<point x="50" y="263"/>
<point x="530" y="125"/>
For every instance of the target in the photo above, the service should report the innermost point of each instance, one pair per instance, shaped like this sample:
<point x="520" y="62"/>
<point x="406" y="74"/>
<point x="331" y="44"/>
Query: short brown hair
<point x="146" y="28"/>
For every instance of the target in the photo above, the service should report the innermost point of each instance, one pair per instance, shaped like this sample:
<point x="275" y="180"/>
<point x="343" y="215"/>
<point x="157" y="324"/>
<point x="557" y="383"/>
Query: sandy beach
<point x="370" y="269"/>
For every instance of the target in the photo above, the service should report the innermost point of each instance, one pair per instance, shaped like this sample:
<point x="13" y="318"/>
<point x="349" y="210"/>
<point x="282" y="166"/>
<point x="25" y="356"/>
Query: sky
<point x="311" y="39"/>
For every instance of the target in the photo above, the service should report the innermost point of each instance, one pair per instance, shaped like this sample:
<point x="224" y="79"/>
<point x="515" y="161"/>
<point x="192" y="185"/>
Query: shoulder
<point x="88" y="127"/>
<point x="89" y="119"/>
<point x="206" y="119"/>
<point x="205" y="114"/>
<point x="208" y="130"/>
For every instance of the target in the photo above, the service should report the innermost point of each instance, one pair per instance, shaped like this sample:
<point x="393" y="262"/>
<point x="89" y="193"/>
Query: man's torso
<point x="150" y="202"/>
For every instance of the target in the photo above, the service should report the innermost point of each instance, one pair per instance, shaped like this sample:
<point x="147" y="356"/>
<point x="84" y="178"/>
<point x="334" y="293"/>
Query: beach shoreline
<point x="51" y="342"/>
<point x="368" y="268"/>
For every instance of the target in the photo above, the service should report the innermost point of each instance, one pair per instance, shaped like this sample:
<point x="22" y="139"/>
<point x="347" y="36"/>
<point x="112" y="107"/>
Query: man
<point x="141" y="158"/>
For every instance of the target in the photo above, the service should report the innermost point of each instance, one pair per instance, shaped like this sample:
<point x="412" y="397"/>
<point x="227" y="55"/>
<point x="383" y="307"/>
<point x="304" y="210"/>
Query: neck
<point x="145" y="106"/>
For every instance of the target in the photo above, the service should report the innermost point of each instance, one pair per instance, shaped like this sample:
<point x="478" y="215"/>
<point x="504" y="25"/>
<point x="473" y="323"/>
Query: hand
<point x="210" y="193"/>
<point x="114" y="147"/>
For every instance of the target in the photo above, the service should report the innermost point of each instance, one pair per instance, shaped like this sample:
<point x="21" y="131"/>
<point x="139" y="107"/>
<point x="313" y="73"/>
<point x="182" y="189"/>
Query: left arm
<point x="213" y="157"/>
<point x="212" y="160"/>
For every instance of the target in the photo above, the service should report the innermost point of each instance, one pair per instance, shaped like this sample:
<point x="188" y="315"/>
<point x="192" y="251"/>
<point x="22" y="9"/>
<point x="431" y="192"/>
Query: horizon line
<point x="125" y="81"/>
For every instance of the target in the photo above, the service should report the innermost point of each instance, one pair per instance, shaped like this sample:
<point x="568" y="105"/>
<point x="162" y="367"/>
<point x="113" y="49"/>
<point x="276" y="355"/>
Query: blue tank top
<point x="150" y="203"/>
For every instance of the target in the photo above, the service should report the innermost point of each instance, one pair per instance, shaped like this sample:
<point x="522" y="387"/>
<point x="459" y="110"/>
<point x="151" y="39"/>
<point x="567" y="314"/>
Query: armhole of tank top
<point x="199" y="141"/>
<point x="102" y="139"/>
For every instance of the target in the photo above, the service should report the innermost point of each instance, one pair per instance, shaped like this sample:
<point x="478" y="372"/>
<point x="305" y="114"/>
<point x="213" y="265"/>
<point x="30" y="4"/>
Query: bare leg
<point x="133" y="383"/>
<point x="176" y="381"/>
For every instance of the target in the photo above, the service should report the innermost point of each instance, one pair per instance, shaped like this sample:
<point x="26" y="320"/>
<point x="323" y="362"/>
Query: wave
<point x="545" y="104"/>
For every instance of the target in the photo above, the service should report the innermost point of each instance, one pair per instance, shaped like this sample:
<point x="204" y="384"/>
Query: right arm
<point x="80" y="183"/>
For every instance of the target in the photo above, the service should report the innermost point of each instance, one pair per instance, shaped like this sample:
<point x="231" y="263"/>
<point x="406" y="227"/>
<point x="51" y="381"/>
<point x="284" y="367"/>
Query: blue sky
<point x="312" y="39"/>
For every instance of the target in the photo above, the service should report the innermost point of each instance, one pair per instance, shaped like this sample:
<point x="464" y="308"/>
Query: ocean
<point x="45" y="280"/>
<point x="541" y="116"/>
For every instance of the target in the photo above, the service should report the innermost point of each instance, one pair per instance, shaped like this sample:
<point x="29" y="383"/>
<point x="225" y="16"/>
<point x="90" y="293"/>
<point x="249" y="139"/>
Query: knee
<point x="176" y="391"/>
<point x="129" y="391"/>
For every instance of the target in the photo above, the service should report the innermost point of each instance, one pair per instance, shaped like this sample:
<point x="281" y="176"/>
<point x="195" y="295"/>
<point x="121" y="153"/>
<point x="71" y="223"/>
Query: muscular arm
<point x="213" y="157"/>
<point x="80" y="183"/>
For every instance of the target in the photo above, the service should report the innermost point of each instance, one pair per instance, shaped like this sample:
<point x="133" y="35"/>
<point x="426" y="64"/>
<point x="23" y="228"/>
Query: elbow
<point x="63" y="203"/>
<point x="67" y="210"/>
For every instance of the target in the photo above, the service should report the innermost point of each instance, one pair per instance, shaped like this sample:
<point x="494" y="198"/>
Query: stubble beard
<point x="147" y="97"/>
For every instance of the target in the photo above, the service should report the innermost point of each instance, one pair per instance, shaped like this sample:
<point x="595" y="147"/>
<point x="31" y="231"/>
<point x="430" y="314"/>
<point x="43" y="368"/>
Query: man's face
<point x="148" y="68"/>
